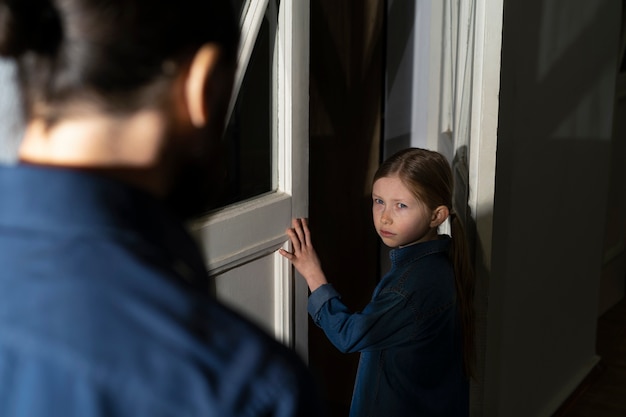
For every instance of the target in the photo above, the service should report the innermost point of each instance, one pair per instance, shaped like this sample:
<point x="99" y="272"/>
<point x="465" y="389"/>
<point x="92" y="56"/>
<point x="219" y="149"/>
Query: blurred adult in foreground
<point x="104" y="308"/>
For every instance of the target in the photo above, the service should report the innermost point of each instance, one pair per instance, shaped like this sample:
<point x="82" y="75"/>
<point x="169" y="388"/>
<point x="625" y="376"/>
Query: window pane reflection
<point x="248" y="136"/>
<point x="240" y="6"/>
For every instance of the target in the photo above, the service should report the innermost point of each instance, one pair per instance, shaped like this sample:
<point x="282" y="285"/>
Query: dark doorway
<point x="346" y="87"/>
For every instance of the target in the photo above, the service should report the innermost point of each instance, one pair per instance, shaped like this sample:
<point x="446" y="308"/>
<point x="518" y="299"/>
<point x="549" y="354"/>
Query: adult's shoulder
<point x="274" y="377"/>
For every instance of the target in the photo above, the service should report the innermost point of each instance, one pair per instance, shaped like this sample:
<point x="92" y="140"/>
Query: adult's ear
<point x="199" y="81"/>
<point x="439" y="215"/>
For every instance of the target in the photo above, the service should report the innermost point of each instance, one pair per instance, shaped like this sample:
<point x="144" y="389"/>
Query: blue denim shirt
<point x="409" y="337"/>
<point x="104" y="311"/>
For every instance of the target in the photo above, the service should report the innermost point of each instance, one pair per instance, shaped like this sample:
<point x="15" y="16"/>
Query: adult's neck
<point x="128" y="148"/>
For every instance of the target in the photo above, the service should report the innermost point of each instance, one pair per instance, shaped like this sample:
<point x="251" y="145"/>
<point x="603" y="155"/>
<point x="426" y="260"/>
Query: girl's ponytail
<point x="465" y="283"/>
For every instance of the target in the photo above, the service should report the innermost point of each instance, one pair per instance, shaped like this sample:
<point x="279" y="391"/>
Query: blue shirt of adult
<point x="409" y="336"/>
<point x="104" y="311"/>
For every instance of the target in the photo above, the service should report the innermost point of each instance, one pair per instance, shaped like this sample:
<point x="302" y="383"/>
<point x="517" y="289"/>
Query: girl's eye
<point x="378" y="201"/>
<point x="402" y="205"/>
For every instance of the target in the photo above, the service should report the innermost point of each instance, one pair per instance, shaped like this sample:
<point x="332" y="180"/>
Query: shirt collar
<point x="407" y="254"/>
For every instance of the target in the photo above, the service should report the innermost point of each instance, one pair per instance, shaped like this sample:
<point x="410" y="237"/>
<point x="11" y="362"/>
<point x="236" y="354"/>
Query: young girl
<point x="416" y="334"/>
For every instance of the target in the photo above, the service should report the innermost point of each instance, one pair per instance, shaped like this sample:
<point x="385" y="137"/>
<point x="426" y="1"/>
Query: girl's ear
<point x="439" y="215"/>
<point x="198" y="83"/>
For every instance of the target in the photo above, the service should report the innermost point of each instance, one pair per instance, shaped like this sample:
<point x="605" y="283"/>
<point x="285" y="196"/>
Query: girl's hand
<point x="304" y="258"/>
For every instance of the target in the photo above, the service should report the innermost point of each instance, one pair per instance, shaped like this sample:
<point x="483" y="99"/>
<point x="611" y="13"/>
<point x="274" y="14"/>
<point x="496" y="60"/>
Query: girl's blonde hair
<point x="429" y="176"/>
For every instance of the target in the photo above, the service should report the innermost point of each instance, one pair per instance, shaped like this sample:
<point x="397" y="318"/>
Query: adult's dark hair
<point x="115" y="55"/>
<point x="427" y="174"/>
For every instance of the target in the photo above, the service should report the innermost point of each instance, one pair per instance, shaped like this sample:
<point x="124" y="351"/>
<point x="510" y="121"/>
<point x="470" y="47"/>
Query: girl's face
<point x="400" y="218"/>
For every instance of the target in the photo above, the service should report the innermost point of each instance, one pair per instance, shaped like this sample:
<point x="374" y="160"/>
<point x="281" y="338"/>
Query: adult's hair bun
<point x="28" y="25"/>
<point x="9" y="28"/>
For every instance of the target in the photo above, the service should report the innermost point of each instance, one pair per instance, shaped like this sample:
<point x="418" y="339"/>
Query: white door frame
<point x="240" y="233"/>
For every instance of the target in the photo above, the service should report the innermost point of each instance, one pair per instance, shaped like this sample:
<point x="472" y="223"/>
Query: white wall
<point x="412" y="74"/>
<point x="555" y="120"/>
<point x="10" y="113"/>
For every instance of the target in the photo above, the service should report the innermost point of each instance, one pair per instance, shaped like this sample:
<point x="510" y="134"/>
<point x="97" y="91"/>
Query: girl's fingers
<point x="297" y="226"/>
<point x="295" y="241"/>
<point x="307" y="233"/>
<point x="300" y="238"/>
<point x="285" y="254"/>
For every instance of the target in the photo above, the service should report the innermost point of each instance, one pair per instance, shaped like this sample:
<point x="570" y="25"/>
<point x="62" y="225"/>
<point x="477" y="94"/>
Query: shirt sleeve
<point x="383" y="323"/>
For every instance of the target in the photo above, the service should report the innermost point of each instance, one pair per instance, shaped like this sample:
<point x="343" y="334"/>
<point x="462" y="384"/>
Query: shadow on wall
<point x="460" y="169"/>
<point x="11" y="118"/>
<point x="554" y="131"/>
